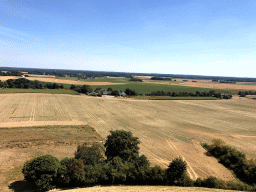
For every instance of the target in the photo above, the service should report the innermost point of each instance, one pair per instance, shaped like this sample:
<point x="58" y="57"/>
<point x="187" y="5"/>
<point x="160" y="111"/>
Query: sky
<point x="196" y="37"/>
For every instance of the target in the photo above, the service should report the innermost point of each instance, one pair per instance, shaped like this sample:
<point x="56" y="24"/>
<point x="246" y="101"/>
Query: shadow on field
<point x="23" y="186"/>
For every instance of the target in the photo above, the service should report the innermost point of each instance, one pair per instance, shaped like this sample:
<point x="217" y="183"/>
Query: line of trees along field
<point x="244" y="93"/>
<point x="27" y="84"/>
<point x="121" y="164"/>
<point x="235" y="160"/>
<point x="85" y="89"/>
<point x="10" y="73"/>
<point x="211" y="93"/>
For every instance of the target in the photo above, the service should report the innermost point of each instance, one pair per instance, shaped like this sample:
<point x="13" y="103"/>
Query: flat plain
<point x="166" y="129"/>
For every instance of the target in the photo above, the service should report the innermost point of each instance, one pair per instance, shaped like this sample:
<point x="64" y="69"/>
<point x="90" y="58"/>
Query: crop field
<point x="144" y="88"/>
<point x="20" y="144"/>
<point x="166" y="129"/>
<point x="51" y="91"/>
<point x="212" y="85"/>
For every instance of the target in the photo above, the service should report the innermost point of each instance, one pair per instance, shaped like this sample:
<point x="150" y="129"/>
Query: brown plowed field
<point x="167" y="129"/>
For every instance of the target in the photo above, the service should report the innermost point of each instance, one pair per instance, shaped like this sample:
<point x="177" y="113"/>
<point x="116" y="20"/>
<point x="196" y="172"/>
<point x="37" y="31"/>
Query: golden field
<point x="166" y="129"/>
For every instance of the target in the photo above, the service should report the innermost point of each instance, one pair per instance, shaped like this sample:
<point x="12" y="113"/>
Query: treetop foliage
<point x="89" y="154"/>
<point x="122" y="144"/>
<point x="124" y="166"/>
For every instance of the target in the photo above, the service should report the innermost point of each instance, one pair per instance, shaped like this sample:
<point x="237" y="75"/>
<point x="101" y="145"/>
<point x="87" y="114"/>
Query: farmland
<point x="19" y="144"/>
<point x="50" y="91"/>
<point x="146" y="87"/>
<point x="167" y="129"/>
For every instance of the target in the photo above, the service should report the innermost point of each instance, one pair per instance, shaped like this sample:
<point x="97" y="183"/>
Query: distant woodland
<point x="92" y="74"/>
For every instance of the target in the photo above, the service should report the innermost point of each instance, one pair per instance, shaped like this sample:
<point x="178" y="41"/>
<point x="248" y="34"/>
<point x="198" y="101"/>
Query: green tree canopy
<point x="42" y="171"/>
<point x="89" y="154"/>
<point x="175" y="170"/>
<point x="122" y="144"/>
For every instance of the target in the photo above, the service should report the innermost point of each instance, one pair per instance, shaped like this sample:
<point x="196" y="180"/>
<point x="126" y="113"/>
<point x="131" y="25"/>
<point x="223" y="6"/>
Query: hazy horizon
<point x="208" y="38"/>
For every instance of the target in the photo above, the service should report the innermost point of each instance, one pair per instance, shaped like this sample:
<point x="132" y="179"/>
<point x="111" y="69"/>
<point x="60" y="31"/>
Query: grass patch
<point x="182" y="98"/>
<point x="142" y="87"/>
<point x="24" y="137"/>
<point x="51" y="91"/>
<point x="146" y="88"/>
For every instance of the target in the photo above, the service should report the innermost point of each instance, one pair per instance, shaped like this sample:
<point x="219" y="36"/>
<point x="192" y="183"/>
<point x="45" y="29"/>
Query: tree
<point x="122" y="144"/>
<point x="42" y="171"/>
<point x="130" y="92"/>
<point x="176" y="170"/>
<point x="115" y="93"/>
<point x="72" y="86"/>
<point x="89" y="154"/>
<point x="55" y="86"/>
<point x="109" y="89"/>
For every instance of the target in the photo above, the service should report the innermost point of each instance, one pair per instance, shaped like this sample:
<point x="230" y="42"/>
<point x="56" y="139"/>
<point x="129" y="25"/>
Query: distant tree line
<point x="136" y="79"/>
<point x="82" y="89"/>
<point x="10" y="73"/>
<point x="211" y="93"/>
<point x="27" y="84"/>
<point x="230" y="81"/>
<point x="161" y="78"/>
<point x="244" y="93"/>
<point x="92" y="74"/>
<point x="121" y="164"/>
<point x="233" y="159"/>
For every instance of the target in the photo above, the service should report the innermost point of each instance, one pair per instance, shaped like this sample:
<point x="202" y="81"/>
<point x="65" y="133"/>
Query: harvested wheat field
<point x="64" y="81"/>
<point x="52" y="79"/>
<point x="227" y="86"/>
<point x="19" y="144"/>
<point x="144" y="188"/>
<point x="5" y="78"/>
<point x="166" y="129"/>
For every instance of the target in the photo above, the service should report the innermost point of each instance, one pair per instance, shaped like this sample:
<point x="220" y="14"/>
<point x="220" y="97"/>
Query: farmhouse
<point x="122" y="93"/>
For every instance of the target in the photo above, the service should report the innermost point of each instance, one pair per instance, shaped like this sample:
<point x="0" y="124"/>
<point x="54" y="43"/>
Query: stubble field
<point x="166" y="129"/>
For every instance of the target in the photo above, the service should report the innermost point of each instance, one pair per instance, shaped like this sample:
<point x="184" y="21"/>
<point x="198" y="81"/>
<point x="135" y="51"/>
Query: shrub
<point x="42" y="171"/>
<point x="89" y="154"/>
<point x="156" y="176"/>
<point x="175" y="170"/>
<point x="122" y="144"/>
<point x="77" y="172"/>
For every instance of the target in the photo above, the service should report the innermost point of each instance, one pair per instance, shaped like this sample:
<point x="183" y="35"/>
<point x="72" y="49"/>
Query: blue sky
<point x="198" y="37"/>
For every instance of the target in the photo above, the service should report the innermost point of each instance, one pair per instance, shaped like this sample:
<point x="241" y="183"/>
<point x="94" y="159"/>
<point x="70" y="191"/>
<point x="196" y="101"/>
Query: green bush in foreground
<point x="176" y="170"/>
<point x="123" y="165"/>
<point x="42" y="171"/>
<point x="233" y="159"/>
